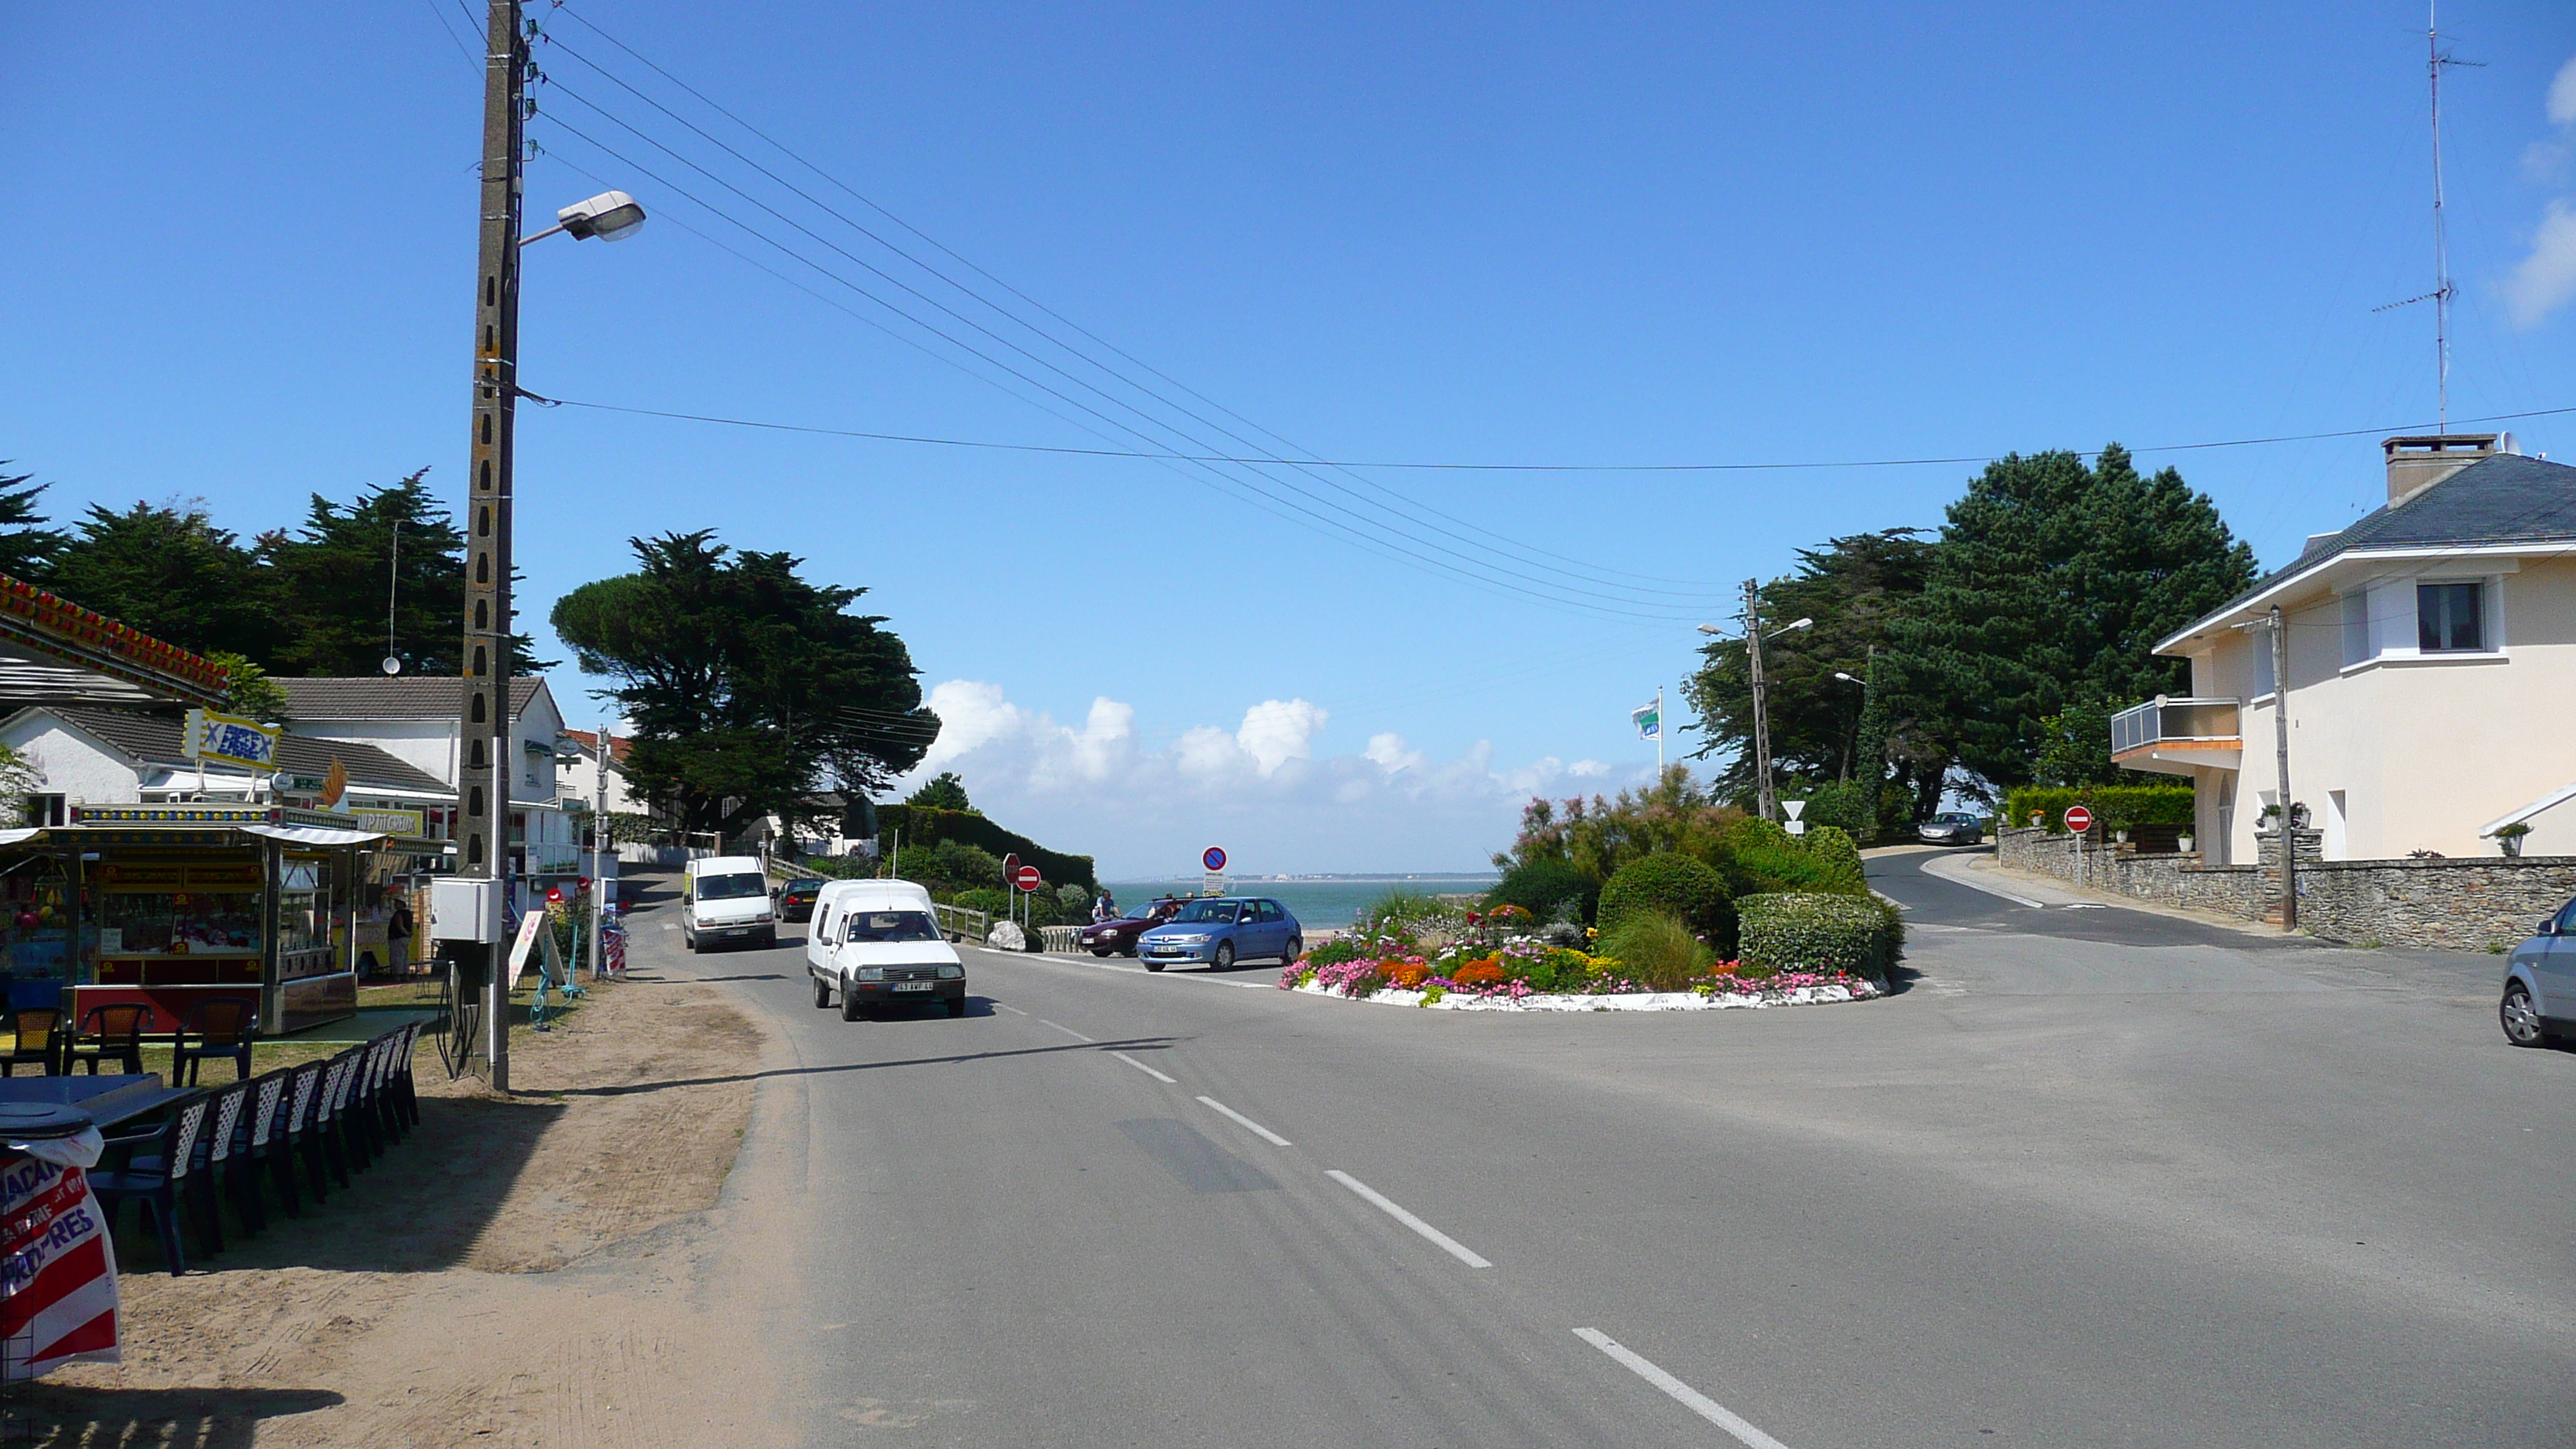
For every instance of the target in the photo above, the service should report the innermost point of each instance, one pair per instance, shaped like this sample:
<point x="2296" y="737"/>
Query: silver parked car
<point x="2540" y="983"/>
<point x="1952" y="828"/>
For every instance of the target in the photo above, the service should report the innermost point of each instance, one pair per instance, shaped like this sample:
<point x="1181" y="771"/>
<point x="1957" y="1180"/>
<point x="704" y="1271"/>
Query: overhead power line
<point x="1963" y="459"/>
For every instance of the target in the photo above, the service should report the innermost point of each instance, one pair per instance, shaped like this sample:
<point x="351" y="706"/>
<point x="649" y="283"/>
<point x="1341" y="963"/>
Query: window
<point x="2356" y="627"/>
<point x="45" y="810"/>
<point x="2450" y="617"/>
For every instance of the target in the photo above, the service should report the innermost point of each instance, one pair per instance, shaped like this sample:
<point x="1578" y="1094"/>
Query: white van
<point x="877" y="942"/>
<point x="725" y="898"/>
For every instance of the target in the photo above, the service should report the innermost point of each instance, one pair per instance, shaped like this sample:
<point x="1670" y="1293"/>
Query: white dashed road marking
<point x="1387" y="1205"/>
<point x="1688" y="1397"/>
<point x="1255" y="1128"/>
<point x="1068" y="1031"/>
<point x="1148" y="1071"/>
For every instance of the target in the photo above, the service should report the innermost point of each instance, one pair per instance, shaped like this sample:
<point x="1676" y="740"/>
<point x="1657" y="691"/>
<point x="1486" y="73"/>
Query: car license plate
<point x="913" y="985"/>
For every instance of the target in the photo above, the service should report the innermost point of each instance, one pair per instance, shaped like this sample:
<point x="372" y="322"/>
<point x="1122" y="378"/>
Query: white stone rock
<point x="1007" y="936"/>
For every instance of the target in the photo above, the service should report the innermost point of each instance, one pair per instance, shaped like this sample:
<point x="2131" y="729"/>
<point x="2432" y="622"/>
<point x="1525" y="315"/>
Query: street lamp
<point x="1754" y="637"/>
<point x="609" y="216"/>
<point x="1851" y="679"/>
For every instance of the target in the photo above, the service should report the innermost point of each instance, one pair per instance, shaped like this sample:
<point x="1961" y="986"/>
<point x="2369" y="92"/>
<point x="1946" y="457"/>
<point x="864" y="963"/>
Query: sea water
<point x="1321" y="902"/>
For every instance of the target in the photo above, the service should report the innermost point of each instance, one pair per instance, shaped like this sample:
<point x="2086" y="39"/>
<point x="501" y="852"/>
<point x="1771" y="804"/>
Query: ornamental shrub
<point x="1674" y="885"/>
<point x="1549" y="889"/>
<point x="1763" y="857"/>
<point x="2114" y="807"/>
<point x="1846" y="806"/>
<point x="1819" y="932"/>
<point x="1333" y="952"/>
<point x="1657" y="951"/>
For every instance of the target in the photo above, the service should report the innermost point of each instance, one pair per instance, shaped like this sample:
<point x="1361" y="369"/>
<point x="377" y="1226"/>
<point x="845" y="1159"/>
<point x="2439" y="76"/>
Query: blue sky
<point x="240" y="244"/>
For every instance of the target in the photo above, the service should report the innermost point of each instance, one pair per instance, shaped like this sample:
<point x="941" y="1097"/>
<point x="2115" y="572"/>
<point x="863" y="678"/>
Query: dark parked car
<point x="1119" y="934"/>
<point x="796" y="899"/>
<point x="1952" y="828"/>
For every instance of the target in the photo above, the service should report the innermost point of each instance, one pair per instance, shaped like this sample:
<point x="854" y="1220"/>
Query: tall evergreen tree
<point x="333" y="576"/>
<point x="27" y="548"/>
<point x="167" y="570"/>
<point x="1822" y="728"/>
<point x="2050" y="585"/>
<point x="748" y="687"/>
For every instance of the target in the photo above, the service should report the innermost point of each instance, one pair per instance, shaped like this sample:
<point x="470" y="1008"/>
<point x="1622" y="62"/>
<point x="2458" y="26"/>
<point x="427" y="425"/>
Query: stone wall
<point x="2164" y="879"/>
<point x="2465" y="905"/>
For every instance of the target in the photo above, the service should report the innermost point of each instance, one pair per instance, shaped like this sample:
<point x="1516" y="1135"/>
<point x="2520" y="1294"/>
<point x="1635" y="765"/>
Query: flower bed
<point x="1491" y="963"/>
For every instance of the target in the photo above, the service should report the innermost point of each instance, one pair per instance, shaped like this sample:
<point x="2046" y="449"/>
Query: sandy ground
<point x="547" y="1269"/>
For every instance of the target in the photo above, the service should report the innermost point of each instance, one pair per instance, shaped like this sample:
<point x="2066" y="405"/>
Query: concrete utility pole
<point x="2281" y="739"/>
<point x="484" y="767"/>
<point x="1761" y="703"/>
<point x="599" y="859"/>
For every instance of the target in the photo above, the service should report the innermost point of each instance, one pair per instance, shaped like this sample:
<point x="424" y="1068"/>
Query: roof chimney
<point x="2415" y="464"/>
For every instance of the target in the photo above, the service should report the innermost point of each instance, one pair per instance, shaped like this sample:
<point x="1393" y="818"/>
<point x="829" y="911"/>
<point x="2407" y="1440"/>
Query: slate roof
<point x="2503" y="498"/>
<point x="379" y="697"/>
<point x="155" y="739"/>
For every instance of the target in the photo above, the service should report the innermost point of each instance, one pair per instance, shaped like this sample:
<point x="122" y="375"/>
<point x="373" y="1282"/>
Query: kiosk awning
<point x="312" y="834"/>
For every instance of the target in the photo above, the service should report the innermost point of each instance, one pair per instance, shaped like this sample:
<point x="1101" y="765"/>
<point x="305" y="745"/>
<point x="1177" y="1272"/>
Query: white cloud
<point x="1276" y="731"/>
<point x="1260" y="789"/>
<point x="1391" y="755"/>
<point x="2546" y="280"/>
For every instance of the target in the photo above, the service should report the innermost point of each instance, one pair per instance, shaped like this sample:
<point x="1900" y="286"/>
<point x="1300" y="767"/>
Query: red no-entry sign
<point x="1027" y="878"/>
<point x="2078" y="819"/>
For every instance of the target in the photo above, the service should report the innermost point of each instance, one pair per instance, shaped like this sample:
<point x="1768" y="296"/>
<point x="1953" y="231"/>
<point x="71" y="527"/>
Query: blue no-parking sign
<point x="1214" y="859"/>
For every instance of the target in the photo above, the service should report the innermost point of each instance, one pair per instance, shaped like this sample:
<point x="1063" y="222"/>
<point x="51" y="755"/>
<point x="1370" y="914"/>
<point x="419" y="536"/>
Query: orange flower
<point x="1480" y="973"/>
<point x="1408" y="974"/>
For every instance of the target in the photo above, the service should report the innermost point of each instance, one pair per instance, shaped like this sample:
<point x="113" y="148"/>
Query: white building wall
<point x="2425" y="748"/>
<point x="74" y="766"/>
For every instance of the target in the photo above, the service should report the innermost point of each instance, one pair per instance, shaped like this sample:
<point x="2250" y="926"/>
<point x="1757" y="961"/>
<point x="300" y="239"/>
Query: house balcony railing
<point x="2173" y="735"/>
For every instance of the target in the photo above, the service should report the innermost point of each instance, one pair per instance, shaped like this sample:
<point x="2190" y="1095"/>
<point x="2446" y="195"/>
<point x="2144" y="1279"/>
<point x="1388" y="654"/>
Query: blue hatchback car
<point x="1220" y="931"/>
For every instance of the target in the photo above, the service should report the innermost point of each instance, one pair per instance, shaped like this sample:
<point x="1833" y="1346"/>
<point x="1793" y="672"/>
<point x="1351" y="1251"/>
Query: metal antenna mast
<point x="2433" y="62"/>
<point x="2440" y="296"/>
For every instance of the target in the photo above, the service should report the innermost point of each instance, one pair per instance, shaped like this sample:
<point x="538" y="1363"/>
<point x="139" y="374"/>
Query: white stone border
<point x="1625" y="1001"/>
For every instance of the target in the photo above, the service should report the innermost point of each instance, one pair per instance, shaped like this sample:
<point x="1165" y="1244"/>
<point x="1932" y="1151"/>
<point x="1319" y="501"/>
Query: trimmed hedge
<point x="1672" y="884"/>
<point x="1811" y="931"/>
<point x="923" y="827"/>
<point x="2114" y="807"/>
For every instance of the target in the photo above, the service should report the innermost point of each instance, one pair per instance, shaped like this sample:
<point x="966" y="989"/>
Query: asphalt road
<point x="2061" y="1190"/>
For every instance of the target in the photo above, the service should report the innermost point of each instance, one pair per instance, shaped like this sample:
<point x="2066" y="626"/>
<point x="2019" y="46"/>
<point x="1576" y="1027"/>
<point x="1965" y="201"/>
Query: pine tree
<point x="2051" y="584"/>
<point x="27" y="549"/>
<point x="167" y="570"/>
<point x="333" y="575"/>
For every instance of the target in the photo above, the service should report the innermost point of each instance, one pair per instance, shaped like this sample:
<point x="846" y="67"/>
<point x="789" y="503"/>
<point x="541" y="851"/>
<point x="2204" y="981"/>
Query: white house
<point x="581" y="768"/>
<point x="415" y="720"/>
<point x="2432" y="671"/>
<point x="94" y="755"/>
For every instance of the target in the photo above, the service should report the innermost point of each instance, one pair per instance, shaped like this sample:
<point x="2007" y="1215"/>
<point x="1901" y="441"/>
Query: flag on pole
<point x="1650" y="720"/>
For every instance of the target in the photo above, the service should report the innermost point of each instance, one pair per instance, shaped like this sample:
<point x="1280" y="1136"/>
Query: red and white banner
<point x="57" y="1268"/>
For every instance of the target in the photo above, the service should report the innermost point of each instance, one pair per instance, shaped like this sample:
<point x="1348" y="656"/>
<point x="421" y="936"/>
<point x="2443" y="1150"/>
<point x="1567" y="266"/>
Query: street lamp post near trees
<point x="483" y="765"/>
<point x="1754" y="635"/>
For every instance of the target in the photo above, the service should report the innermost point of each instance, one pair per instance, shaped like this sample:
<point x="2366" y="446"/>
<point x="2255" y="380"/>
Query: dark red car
<point x="1103" y="937"/>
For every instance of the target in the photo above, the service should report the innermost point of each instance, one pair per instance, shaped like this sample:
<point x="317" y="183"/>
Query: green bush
<point x="923" y="828"/>
<point x="996" y="903"/>
<point x="1812" y="931"/>
<point x="1550" y="890"/>
<point x="1655" y="950"/>
<point x="1845" y="805"/>
<point x="1669" y="884"/>
<point x="1764" y="857"/>
<point x="2114" y="807"/>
